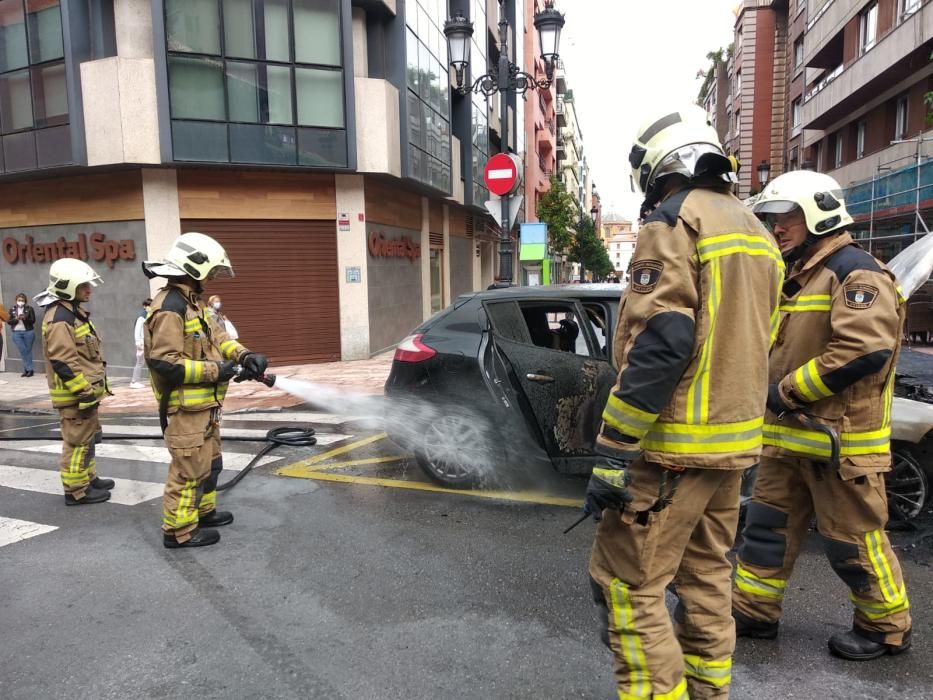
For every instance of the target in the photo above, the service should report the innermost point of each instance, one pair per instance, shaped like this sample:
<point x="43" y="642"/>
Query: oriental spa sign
<point x="94" y="246"/>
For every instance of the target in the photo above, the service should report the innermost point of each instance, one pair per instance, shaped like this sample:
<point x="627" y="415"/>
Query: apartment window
<point x="860" y="139"/>
<point x="738" y="82"/>
<point x="256" y="81"/>
<point x="908" y="7"/>
<point x="428" y="96"/>
<point x="837" y="155"/>
<point x="868" y="27"/>
<point x="738" y="122"/>
<point x="798" y="53"/>
<point x="33" y="92"/>
<point x="900" y="118"/>
<point x="795" y="112"/>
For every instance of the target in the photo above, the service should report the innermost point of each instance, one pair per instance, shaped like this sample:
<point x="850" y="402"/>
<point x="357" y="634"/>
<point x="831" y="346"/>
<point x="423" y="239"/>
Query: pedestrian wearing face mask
<point x="214" y="309"/>
<point x="136" y="381"/>
<point x="22" y="322"/>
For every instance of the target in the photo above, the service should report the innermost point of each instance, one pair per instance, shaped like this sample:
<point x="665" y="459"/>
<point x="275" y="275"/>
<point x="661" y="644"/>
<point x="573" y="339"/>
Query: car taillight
<point x="411" y="349"/>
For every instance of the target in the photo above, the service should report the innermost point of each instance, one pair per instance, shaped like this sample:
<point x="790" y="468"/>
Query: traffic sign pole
<point x="503" y="177"/>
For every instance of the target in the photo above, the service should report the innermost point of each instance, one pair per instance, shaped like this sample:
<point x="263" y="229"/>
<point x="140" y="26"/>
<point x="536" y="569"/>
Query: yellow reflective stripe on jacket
<point x="810" y="383"/>
<point x="627" y="419"/>
<point x="193" y="370"/>
<point x="633" y="653"/>
<point x="874" y="543"/>
<point x="191" y="396"/>
<point x="732" y="243"/>
<point x="756" y="585"/>
<point x="83" y="330"/>
<point x="193" y="325"/>
<point x="679" y="692"/>
<point x="714" y="672"/>
<point x="808" y="302"/>
<point x="709" y="438"/>
<point x="811" y="442"/>
<point x="229" y="348"/>
<point x="77" y="384"/>
<point x="900" y="294"/>
<point x="888" y="397"/>
<point x="698" y="393"/>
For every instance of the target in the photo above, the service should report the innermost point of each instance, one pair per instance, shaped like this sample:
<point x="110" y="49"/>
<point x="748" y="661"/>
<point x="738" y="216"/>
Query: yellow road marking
<point x="300" y="469"/>
<point x="521" y="496"/>
<point x="339" y="450"/>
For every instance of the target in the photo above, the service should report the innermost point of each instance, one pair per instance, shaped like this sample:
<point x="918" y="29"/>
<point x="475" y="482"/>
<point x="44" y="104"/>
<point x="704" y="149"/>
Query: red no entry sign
<point x="502" y="174"/>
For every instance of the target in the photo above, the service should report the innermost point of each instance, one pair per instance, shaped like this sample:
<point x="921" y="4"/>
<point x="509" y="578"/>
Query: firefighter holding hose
<point x="192" y="360"/>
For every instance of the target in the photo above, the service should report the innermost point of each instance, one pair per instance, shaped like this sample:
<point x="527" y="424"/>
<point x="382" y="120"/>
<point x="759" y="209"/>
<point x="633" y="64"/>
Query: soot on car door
<point x="558" y="366"/>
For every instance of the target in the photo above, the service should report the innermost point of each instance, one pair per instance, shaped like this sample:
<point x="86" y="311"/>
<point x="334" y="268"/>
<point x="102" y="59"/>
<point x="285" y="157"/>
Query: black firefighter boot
<point x="746" y="626"/>
<point x="201" y="537"/>
<point x="861" y="645"/>
<point x="216" y="518"/>
<point x="91" y="495"/>
<point x="105" y="484"/>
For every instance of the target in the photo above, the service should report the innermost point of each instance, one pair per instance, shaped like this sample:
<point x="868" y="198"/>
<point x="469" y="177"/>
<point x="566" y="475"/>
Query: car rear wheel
<point x="458" y="451"/>
<point x="906" y="485"/>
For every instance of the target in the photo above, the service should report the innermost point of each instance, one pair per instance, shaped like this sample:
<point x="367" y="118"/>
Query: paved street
<point x="333" y="584"/>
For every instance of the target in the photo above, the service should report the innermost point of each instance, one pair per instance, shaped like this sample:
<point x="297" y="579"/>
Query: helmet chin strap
<point x="794" y="254"/>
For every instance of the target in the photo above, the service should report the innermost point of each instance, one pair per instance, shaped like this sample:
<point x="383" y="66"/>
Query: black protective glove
<point x="254" y="365"/>
<point x="776" y="403"/>
<point x="226" y="370"/>
<point x="608" y="485"/>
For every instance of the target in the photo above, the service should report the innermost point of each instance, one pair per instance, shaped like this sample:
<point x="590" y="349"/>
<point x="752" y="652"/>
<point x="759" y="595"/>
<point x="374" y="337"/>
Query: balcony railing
<point x="895" y="190"/>
<point x="550" y="125"/>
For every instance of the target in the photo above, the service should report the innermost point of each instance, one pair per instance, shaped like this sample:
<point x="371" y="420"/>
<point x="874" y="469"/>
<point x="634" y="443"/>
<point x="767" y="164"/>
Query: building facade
<point x="619" y="237"/>
<point x="320" y="141"/>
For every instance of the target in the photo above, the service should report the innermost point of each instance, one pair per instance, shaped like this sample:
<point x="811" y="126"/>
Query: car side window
<point x="596" y="315"/>
<point x="555" y="326"/>
<point x="508" y="322"/>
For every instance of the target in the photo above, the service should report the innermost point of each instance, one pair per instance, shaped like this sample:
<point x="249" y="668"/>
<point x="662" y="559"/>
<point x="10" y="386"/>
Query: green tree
<point x="589" y="251"/>
<point x="557" y="209"/>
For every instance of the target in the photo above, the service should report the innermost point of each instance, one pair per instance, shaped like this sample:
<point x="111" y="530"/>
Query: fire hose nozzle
<point x="267" y="379"/>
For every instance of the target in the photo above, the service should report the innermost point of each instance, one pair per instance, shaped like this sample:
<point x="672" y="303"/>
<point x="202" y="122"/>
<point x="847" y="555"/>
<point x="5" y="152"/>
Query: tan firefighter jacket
<point x="74" y="364"/>
<point x="694" y="329"/>
<point x="183" y="345"/>
<point x="835" y="355"/>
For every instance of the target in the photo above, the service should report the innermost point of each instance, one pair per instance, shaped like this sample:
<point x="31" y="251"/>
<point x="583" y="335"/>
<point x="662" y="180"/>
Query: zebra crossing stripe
<point x="13" y="530"/>
<point x="127" y="492"/>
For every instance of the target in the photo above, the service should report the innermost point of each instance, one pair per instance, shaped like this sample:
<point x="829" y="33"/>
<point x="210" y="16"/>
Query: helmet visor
<point x="220" y="271"/>
<point x="774" y="206"/>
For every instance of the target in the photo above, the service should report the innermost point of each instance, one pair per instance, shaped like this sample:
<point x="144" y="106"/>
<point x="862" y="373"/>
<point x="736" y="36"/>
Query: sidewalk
<point x="360" y="376"/>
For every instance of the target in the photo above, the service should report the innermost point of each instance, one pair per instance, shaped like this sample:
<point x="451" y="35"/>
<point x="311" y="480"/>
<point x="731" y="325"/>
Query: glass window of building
<point x="428" y="94"/>
<point x="34" y="119"/>
<point x="860" y="139"/>
<point x="868" y="27"/>
<point x="900" y="118"/>
<point x="257" y="81"/>
<point x="798" y="53"/>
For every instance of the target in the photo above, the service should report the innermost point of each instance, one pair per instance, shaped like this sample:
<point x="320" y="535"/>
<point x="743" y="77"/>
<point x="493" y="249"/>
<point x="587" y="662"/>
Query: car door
<point x="560" y="370"/>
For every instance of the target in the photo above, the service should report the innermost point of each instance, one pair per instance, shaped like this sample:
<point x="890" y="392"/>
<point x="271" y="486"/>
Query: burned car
<point x="505" y="384"/>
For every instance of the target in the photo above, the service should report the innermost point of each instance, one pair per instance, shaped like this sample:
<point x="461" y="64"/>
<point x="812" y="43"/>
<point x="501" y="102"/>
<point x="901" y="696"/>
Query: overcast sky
<point x="624" y="61"/>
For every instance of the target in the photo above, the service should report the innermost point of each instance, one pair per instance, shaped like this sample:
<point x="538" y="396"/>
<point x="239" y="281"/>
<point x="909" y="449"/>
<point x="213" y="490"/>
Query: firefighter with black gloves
<point x="834" y="359"/>
<point x="192" y="359"/>
<point x="76" y="372"/>
<point x="685" y="416"/>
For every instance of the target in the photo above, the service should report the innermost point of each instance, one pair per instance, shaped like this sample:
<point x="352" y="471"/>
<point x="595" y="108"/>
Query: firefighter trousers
<point x="80" y="432"/>
<point x="639" y="552"/>
<point x="193" y="440"/>
<point x="850" y="517"/>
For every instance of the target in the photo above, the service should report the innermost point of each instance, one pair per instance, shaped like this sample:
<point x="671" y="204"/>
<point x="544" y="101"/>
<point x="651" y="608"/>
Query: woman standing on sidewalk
<point x="22" y="321"/>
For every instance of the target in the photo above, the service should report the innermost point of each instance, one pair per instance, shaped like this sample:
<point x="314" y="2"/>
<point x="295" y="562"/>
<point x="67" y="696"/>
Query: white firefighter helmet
<point x="65" y="276"/>
<point x="819" y="196"/>
<point x="679" y="141"/>
<point x="194" y="255"/>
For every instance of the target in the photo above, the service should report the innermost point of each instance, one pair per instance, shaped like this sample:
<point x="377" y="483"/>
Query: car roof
<point x="578" y="291"/>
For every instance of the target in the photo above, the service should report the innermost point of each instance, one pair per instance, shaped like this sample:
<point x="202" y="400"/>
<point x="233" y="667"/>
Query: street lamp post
<point x="764" y="174"/>
<point x="507" y="79"/>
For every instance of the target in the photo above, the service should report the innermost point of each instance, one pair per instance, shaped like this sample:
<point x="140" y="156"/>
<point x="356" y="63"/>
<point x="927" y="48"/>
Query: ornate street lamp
<point x="505" y="78"/>
<point x="764" y="173"/>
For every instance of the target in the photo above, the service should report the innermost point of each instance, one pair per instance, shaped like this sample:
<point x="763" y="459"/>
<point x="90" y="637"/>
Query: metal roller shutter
<point x="284" y="299"/>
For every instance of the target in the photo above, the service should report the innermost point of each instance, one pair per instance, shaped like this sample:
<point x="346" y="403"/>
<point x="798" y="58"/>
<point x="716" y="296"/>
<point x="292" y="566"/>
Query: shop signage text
<point x="85" y="247"/>
<point x="404" y="247"/>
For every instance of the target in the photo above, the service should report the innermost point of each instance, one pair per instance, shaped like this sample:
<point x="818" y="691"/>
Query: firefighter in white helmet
<point x="685" y="416"/>
<point x="191" y="361"/>
<point x="834" y="358"/>
<point x="76" y="373"/>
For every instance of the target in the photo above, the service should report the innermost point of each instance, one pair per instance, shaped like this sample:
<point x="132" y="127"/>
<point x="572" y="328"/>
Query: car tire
<point x="459" y="451"/>
<point x="906" y="485"/>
